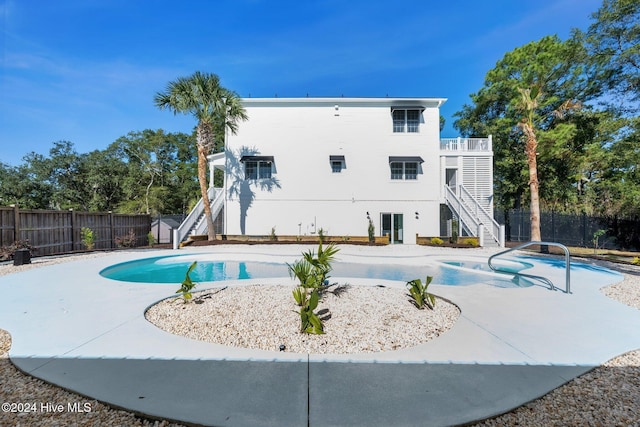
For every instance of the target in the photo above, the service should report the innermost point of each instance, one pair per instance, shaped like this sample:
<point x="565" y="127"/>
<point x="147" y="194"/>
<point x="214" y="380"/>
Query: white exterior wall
<point x="304" y="194"/>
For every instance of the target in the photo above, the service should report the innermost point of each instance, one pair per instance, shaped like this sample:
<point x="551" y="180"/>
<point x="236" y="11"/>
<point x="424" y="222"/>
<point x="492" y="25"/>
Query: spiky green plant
<point x="310" y="323"/>
<point x="187" y="284"/>
<point x="321" y="263"/>
<point x="419" y="295"/>
<point x="312" y="272"/>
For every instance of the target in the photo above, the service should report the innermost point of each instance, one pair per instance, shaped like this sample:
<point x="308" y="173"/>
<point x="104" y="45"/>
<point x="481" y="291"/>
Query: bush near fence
<point x="572" y="229"/>
<point x="55" y="232"/>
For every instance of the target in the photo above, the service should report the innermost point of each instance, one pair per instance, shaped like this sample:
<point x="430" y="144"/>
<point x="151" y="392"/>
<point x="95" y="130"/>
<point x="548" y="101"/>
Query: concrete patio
<point x="86" y="333"/>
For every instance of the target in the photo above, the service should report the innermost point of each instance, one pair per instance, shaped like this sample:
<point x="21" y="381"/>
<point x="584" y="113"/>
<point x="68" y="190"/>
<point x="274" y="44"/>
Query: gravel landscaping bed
<point x="359" y="319"/>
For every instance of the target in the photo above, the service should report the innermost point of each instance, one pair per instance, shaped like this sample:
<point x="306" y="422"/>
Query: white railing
<point x="472" y="215"/>
<point x="216" y="205"/>
<point x="481" y="213"/>
<point x="466" y="218"/>
<point x="190" y="221"/>
<point x="467" y="144"/>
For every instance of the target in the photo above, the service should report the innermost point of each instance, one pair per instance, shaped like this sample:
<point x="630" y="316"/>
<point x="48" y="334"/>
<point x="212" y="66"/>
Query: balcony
<point x="467" y="145"/>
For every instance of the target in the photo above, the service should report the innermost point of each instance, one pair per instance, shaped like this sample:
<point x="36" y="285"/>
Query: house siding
<point x="304" y="195"/>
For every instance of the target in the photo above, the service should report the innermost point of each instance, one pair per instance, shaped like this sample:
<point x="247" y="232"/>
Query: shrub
<point x="454" y="231"/>
<point x="88" y="238"/>
<point x="321" y="235"/>
<point x="6" y="252"/>
<point x="371" y="230"/>
<point x="187" y="284"/>
<point x="419" y="295"/>
<point x="273" y="236"/>
<point x="596" y="237"/>
<point x="470" y="242"/>
<point x="151" y="239"/>
<point x="126" y="241"/>
<point x="436" y="241"/>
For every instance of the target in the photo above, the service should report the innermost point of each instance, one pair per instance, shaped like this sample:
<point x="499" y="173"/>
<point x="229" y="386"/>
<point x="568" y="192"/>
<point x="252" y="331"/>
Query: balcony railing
<point x="467" y="144"/>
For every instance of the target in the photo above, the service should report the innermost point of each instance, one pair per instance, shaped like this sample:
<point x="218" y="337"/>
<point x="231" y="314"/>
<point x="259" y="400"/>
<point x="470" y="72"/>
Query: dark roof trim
<point x="405" y="159"/>
<point x="257" y="158"/>
<point x="407" y="107"/>
<point x="336" y="158"/>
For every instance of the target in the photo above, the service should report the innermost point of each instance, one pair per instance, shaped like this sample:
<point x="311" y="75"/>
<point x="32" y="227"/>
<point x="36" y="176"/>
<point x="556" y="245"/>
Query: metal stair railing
<point x="468" y="221"/>
<point x="484" y="217"/>
<point x="567" y="256"/>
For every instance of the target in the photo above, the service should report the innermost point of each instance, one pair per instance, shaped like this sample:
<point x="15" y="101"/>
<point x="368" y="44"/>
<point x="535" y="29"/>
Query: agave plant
<point x="187" y="284"/>
<point x="419" y="295"/>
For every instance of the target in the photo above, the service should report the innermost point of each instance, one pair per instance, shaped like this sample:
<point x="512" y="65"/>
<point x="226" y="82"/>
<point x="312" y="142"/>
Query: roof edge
<point x="386" y="101"/>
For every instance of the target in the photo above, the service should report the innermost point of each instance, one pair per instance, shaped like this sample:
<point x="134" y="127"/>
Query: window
<point x="257" y="167"/>
<point x="406" y="120"/>
<point x="337" y="163"/>
<point x="404" y="167"/>
<point x="404" y="170"/>
<point x="260" y="169"/>
<point x="397" y="170"/>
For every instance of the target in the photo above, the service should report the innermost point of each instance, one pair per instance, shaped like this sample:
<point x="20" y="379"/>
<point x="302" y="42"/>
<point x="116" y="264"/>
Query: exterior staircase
<point x="195" y="223"/>
<point x="474" y="218"/>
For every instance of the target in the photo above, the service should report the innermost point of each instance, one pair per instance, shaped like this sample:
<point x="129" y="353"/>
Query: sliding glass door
<point x="392" y="225"/>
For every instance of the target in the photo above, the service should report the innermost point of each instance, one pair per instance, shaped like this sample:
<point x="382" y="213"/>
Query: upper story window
<point x="405" y="167"/>
<point x="406" y="119"/>
<point x="337" y="163"/>
<point x="257" y="167"/>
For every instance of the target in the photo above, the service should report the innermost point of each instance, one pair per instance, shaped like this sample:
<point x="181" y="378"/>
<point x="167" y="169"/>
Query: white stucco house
<point x="304" y="164"/>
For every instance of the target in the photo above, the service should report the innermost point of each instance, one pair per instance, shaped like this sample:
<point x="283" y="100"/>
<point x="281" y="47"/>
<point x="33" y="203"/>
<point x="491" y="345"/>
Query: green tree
<point x="613" y="43"/>
<point x="529" y="97"/>
<point x="212" y="105"/>
<point x="19" y="186"/>
<point x="105" y="175"/>
<point x="156" y="166"/>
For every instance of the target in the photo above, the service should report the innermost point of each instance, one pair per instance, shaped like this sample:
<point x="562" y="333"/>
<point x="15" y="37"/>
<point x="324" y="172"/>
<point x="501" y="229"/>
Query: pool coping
<point x="97" y="330"/>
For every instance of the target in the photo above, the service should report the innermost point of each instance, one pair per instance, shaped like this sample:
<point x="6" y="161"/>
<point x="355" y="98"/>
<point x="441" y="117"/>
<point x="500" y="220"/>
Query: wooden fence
<point x="55" y="232"/>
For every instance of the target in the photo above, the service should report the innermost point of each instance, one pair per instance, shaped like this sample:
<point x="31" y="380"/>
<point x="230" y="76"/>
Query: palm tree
<point x="215" y="107"/>
<point x="528" y="104"/>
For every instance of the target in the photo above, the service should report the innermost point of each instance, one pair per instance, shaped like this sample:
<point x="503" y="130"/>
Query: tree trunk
<point x="531" y="149"/>
<point x="205" y="140"/>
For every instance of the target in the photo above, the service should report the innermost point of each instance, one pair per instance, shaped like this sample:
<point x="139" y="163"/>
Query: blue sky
<point x="86" y="71"/>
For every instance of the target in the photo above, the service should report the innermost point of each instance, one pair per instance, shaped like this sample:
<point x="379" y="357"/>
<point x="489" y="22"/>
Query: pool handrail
<point x="567" y="257"/>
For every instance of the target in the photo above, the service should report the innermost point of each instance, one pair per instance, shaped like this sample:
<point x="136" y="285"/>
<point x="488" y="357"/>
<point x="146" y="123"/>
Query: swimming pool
<point x="502" y="265"/>
<point x="172" y="269"/>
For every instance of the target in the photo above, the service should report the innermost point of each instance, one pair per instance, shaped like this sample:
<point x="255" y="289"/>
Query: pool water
<point x="172" y="269"/>
<point x="501" y="265"/>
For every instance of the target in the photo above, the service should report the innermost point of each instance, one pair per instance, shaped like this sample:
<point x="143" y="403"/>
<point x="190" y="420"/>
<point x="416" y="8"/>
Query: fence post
<point x="111" y="230"/>
<point x="73" y="229"/>
<point x="16" y="223"/>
